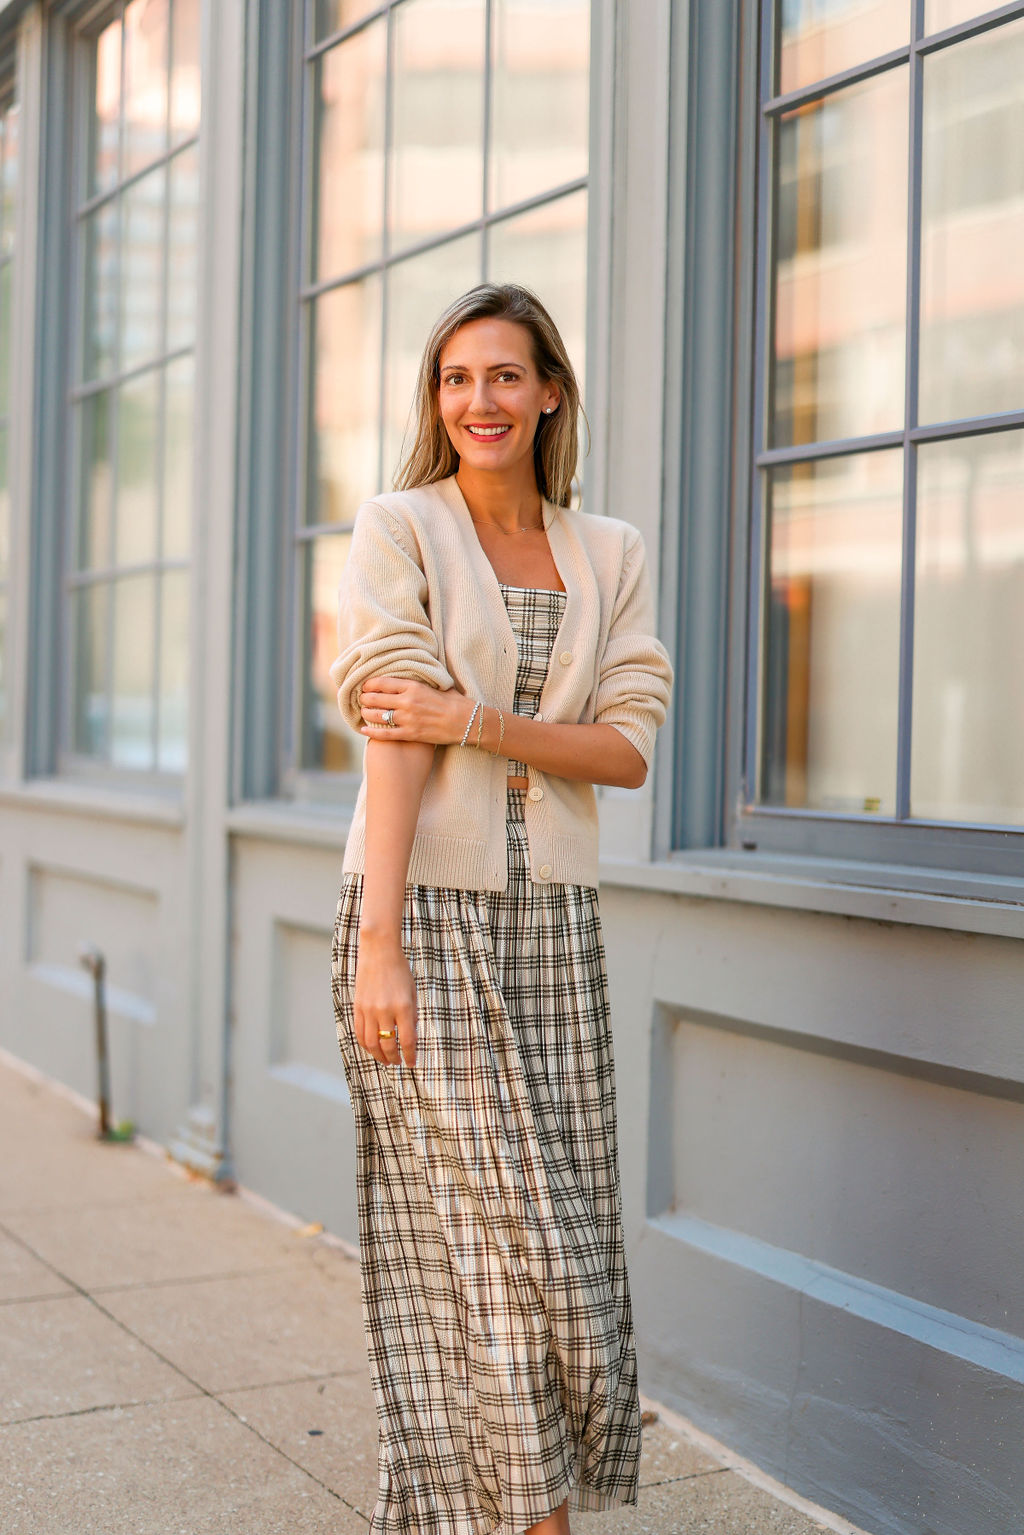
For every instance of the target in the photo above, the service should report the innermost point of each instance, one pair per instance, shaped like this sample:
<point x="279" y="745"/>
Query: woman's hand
<point x="385" y="998"/>
<point x="421" y="713"/>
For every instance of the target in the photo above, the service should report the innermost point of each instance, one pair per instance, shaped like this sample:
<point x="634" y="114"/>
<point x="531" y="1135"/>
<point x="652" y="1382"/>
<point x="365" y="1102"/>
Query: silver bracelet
<point x="469" y="725"/>
<point x="501" y="733"/>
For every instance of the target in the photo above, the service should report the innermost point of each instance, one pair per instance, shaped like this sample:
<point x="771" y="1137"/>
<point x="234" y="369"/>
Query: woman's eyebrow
<point x="492" y="367"/>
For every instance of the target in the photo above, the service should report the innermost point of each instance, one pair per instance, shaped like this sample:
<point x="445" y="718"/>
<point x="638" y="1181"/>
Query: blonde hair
<point x="430" y="456"/>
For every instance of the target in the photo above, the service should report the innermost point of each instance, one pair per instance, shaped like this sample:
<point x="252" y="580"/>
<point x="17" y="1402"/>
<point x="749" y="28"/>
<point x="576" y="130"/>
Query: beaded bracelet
<point x="469" y="724"/>
<point x="480" y="728"/>
<point x="501" y="732"/>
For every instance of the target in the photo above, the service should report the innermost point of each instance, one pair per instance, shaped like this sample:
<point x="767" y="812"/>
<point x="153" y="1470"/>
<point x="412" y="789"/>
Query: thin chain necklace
<point x="509" y="531"/>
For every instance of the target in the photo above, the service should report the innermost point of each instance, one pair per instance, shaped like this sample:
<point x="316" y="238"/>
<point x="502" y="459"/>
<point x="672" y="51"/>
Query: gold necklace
<point x="509" y="531"/>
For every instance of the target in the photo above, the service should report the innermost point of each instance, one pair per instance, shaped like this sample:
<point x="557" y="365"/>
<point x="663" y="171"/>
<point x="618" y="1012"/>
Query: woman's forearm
<point x="598" y="754"/>
<point x="396" y="774"/>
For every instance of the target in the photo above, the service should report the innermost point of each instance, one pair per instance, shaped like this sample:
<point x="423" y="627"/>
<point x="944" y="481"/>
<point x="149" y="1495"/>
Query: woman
<point x="497" y="651"/>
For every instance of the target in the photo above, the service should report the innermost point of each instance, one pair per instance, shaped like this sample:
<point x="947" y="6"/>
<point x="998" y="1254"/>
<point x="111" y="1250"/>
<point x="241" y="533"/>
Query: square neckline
<point x="551" y="591"/>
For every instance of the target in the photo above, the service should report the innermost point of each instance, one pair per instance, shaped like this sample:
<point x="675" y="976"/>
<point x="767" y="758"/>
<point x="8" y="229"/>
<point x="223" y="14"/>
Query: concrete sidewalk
<point x="177" y="1361"/>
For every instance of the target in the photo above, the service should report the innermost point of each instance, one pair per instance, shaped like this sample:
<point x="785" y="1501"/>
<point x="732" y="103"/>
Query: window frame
<point x="284" y="775"/>
<point x="11" y="95"/>
<point x="872" y="848"/>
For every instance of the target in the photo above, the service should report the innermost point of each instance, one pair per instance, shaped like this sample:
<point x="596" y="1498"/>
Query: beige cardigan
<point x="419" y="599"/>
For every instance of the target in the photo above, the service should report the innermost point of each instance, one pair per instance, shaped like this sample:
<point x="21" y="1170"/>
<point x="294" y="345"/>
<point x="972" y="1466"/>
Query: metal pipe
<point x="93" y="961"/>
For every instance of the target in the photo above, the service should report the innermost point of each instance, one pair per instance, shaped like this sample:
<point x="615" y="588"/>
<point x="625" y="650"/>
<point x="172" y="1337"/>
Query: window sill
<point x="876" y="892"/>
<point x="278" y="821"/>
<point x="75" y="797"/>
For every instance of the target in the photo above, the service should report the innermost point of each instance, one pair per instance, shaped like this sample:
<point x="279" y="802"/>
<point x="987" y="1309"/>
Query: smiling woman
<point x="498" y="653"/>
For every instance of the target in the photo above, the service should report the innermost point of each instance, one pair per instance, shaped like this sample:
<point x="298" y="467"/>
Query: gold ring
<point x="385" y="1033"/>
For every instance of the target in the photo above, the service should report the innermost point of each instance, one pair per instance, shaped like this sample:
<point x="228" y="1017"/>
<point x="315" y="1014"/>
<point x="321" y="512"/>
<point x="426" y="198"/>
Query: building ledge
<point x="70" y="796"/>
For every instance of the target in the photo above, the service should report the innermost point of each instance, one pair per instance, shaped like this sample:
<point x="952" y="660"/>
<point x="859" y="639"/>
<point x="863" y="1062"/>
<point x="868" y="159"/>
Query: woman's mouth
<point x="488" y="433"/>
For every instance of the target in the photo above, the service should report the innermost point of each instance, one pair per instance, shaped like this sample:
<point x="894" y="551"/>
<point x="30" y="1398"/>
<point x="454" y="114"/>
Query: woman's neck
<point x="508" y="501"/>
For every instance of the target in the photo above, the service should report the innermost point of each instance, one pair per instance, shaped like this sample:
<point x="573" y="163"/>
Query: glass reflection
<point x="940" y="14"/>
<point x="327" y="742"/>
<point x="136" y="498"/>
<point x="96" y="485"/>
<point x="145" y="82"/>
<point x="418" y="290"/>
<point x="103" y="128"/>
<point x="178" y="432"/>
<point x="820" y="38"/>
<point x="967" y="760"/>
<point x="831" y="671"/>
<point x="344" y="388"/>
<point x="840" y="265"/>
<point x="172" y="717"/>
<point x="540" y="97"/>
<point x="348" y="131"/>
<point x="132" y="710"/>
<point x="3" y="664"/>
<point x="142" y="261"/>
<point x="435" y="174"/>
<point x="972" y="273"/>
<point x="335" y="15"/>
<point x="99" y="350"/>
<point x="546" y="250"/>
<point x="185" y="73"/>
<point x="5" y="335"/>
<point x="5" y="506"/>
<point x="90" y="609"/>
<point x="10" y="125"/>
<point x="182" y="247"/>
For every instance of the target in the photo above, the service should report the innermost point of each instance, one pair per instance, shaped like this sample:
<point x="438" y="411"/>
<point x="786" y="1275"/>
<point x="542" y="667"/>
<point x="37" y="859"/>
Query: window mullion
<point x="905" y="704"/>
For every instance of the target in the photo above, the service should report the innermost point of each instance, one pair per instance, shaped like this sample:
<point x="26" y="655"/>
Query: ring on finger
<point x="388" y="718"/>
<point x="386" y="1033"/>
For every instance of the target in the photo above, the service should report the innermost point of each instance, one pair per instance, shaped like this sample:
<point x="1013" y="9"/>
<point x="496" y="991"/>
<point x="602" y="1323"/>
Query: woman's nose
<point x="482" y="398"/>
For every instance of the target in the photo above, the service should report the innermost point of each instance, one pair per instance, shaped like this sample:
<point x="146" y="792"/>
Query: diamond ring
<point x="389" y="717"/>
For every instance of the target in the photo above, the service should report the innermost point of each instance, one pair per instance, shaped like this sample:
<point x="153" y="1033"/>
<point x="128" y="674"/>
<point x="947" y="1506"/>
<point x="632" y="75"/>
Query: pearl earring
<point x="548" y="409"/>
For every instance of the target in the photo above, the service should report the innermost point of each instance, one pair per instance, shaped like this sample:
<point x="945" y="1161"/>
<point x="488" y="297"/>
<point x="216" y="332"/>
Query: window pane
<point x="830" y="682"/>
<point x="334" y="15"/>
<point x="90" y="610"/>
<point x="5" y="507"/>
<point x="546" y="250"/>
<point x="135" y="514"/>
<point x="840" y="254"/>
<point x="99" y="353"/>
<point x="540" y="97"/>
<point x="327" y="742"/>
<point x="6" y="274"/>
<point x="142" y="268"/>
<point x="182" y="248"/>
<point x="9" y="191"/>
<point x="348" y="131"/>
<point x="172" y="744"/>
<point x="96" y="482"/>
<point x="418" y="289"/>
<point x="344" y="401"/>
<point x="145" y="82"/>
<point x="436" y="170"/>
<point x="185" y="76"/>
<point x="967" y="762"/>
<point x="972" y="271"/>
<point x="940" y="14"/>
<point x="819" y="38"/>
<point x="106" y="107"/>
<point x="3" y="664"/>
<point x="179" y="386"/>
<point x="132" y="706"/>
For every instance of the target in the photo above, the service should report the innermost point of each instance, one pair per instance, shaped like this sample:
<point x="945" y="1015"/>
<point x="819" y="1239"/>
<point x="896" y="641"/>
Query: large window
<point x="135" y="229"/>
<point x="446" y="141"/>
<point x="887" y="649"/>
<point x="9" y="123"/>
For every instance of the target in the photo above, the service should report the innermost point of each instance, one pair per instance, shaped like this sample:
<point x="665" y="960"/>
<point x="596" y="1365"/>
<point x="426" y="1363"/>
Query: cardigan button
<point x="535" y="793"/>
<point x="566" y="658"/>
<point x="544" y="871"/>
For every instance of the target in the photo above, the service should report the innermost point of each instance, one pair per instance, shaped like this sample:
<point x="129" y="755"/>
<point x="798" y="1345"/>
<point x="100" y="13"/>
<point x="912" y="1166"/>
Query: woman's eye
<point x="454" y="378"/>
<point x="512" y="377"/>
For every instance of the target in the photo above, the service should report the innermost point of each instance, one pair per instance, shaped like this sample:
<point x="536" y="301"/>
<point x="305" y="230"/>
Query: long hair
<point x="430" y="455"/>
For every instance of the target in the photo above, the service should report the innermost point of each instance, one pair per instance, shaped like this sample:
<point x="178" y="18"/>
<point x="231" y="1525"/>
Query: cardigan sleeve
<point x="383" y="625"/>
<point x="635" y="675"/>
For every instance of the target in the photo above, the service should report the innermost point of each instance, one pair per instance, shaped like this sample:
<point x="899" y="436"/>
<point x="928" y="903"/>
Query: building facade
<point x="783" y="243"/>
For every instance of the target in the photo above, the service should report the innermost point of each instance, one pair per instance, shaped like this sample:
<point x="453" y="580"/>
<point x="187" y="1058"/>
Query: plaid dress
<point x="494" y="1283"/>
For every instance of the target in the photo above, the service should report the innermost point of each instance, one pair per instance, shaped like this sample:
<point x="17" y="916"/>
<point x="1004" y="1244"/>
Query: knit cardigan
<point x="419" y="599"/>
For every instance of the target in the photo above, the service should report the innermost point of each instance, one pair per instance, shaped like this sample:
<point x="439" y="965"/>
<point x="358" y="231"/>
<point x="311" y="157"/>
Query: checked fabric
<point x="494" y="1284"/>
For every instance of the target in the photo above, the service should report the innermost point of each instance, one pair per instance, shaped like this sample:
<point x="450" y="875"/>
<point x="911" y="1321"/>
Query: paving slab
<point x="63" y="1355"/>
<point x="253" y="1330"/>
<point x="181" y="1468"/>
<point x="328" y="1426"/>
<point x="195" y="1232"/>
<point x="23" y="1277"/>
<point x="712" y="1503"/>
<point x="667" y="1455"/>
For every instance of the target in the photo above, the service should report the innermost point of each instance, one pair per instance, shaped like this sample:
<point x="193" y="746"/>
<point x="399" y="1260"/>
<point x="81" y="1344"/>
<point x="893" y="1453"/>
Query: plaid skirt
<point x="494" y="1285"/>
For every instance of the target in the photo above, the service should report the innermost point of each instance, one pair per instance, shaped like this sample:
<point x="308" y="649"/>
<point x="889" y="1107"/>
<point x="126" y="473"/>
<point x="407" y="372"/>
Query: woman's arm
<point x="594" y="753"/>
<point x="385" y="994"/>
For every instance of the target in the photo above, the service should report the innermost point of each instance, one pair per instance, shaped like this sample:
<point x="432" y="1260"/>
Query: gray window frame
<point x="721" y="597"/>
<point x="8" y="650"/>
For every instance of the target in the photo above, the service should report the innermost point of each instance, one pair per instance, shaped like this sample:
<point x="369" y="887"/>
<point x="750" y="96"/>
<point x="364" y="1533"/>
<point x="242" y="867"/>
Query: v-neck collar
<point x="549" y="513"/>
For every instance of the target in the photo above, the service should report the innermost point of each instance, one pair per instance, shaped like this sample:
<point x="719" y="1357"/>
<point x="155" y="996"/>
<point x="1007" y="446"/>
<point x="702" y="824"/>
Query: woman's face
<point x="491" y="395"/>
